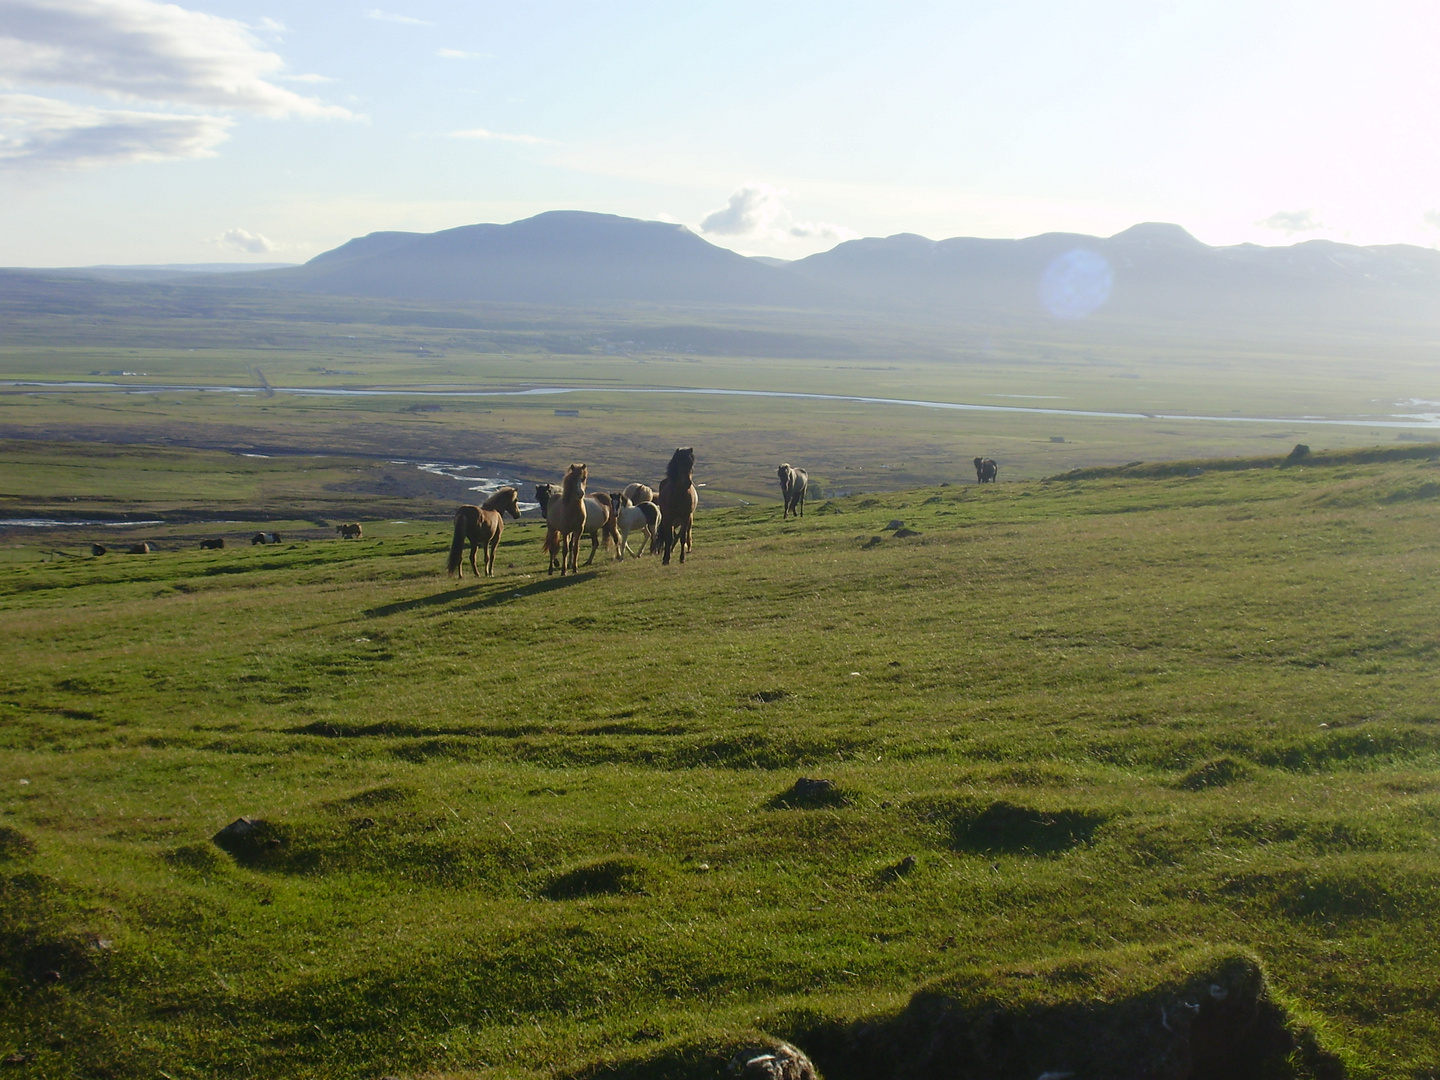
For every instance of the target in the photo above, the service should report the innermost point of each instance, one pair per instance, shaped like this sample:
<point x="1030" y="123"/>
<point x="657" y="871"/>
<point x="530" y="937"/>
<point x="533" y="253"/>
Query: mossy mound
<point x="1206" y="1015"/>
<point x="14" y="844"/>
<point x="808" y="793"/>
<point x="618" y="875"/>
<point x="1215" y="773"/>
<point x="1001" y="827"/>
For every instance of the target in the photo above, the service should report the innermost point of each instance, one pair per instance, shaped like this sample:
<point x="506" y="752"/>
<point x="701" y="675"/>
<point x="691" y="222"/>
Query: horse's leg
<point x="594" y="546"/>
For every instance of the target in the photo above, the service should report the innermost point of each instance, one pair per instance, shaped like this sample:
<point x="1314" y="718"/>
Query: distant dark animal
<point x="793" y="483"/>
<point x="986" y="470"/>
<point x="258" y="538"/>
<point x="639" y="493"/>
<point x="482" y="526"/>
<point x="677" y="501"/>
<point x="99" y="549"/>
<point x="644" y="516"/>
<point x="352" y="531"/>
<point x="265" y="538"/>
<point x="213" y="545"/>
<point x="565" y="520"/>
<point x="139" y="549"/>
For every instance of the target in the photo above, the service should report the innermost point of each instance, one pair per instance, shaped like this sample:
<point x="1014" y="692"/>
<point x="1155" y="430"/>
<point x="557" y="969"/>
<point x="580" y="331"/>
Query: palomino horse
<point x="644" y="516"/>
<point x="600" y="522"/>
<point x="677" y="502"/>
<point x="639" y="493"/>
<point x="482" y="526"/>
<point x="986" y="470"/>
<point x="793" y="483"/>
<point x="565" y="520"/>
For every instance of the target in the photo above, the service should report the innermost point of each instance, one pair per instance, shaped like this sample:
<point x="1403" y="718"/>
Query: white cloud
<point x="274" y="26"/>
<point x="1292" y="221"/>
<point x="1432" y="217"/>
<point x="482" y="133"/>
<point x="386" y="16"/>
<point x="758" y="213"/>
<point x="459" y="54"/>
<point x="248" y="242"/>
<point x="141" y="50"/>
<point x="37" y="131"/>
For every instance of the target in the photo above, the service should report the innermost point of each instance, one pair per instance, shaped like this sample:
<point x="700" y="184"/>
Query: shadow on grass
<point x="485" y="594"/>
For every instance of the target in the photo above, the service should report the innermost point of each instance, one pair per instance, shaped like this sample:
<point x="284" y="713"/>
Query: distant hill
<point x="1150" y="270"/>
<point x="563" y="257"/>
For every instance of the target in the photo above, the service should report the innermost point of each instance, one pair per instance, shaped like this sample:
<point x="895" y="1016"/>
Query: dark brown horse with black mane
<point x="482" y="526"/>
<point x="677" y="501"/>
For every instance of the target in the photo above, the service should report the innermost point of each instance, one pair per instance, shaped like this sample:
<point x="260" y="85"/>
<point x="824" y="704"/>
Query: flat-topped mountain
<point x="562" y="257"/>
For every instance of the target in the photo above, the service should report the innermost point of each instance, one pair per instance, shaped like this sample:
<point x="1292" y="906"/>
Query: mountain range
<point x="1154" y="270"/>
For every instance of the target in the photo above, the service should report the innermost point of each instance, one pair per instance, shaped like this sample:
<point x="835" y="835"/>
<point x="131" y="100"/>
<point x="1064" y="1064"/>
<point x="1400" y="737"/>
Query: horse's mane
<point x="506" y="496"/>
<point x="682" y="464"/>
<point x="574" y="484"/>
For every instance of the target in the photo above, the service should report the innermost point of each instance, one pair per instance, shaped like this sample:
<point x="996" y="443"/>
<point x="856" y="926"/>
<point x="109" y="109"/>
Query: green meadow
<point x="1089" y="739"/>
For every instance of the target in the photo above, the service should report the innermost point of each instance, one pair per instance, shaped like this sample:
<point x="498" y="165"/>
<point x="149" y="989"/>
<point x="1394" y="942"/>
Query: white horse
<point x="793" y="483"/>
<point x="644" y="516"/>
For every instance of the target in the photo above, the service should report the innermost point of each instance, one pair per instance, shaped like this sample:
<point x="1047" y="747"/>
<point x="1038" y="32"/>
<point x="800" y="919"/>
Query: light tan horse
<point x="565" y="520"/>
<point x="639" y="493"/>
<point x="482" y="526"/>
<point x="677" y="501"/>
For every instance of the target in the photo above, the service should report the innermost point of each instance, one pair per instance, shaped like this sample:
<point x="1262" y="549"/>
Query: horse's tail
<point x="551" y="542"/>
<point x="457" y="545"/>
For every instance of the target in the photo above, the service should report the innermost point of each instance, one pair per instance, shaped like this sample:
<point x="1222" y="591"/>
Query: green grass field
<point x="1087" y="735"/>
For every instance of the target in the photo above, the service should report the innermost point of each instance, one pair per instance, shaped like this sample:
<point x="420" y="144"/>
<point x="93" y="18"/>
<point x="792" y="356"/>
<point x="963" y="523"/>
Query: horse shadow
<point x="486" y="594"/>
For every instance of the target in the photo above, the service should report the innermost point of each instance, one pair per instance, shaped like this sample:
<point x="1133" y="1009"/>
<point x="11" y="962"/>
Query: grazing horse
<point x="265" y="538"/>
<point x="986" y="470"/>
<point x="213" y="545"/>
<point x="644" y="516"/>
<point x="351" y="531"/>
<point x="140" y="549"/>
<point x="639" y="493"/>
<point x="482" y="526"/>
<point x="793" y="483"/>
<point x="565" y="520"/>
<point x="99" y="549"/>
<point x="677" y="502"/>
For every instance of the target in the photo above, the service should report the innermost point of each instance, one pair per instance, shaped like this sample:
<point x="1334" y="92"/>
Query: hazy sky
<point x="218" y="130"/>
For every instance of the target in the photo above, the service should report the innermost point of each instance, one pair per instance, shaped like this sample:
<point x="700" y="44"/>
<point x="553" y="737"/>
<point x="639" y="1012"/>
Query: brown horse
<point x="482" y="526"/>
<point x="565" y="520"/>
<point x="677" y="501"/>
<point x="351" y="531"/>
<point x="601" y="521"/>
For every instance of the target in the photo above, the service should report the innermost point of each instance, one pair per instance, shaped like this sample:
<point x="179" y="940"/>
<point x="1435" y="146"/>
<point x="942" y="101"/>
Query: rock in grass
<point x="779" y="1062"/>
<point x="248" y="839"/>
<point x="808" y="793"/>
<point x="895" y="523"/>
<point x="901" y="534"/>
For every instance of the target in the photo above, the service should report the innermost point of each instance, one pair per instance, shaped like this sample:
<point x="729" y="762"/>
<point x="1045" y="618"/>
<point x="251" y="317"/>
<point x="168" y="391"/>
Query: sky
<point x="137" y="132"/>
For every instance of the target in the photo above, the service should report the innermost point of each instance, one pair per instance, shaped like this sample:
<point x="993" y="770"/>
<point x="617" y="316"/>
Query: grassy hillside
<point x="1081" y="732"/>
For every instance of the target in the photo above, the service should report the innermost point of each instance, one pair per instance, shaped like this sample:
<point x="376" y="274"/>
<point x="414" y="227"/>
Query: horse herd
<point x="663" y="517"/>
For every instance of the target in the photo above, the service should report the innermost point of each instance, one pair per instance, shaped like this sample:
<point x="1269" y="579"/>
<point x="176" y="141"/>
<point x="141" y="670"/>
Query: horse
<point x="351" y="531"/>
<point x="793" y="483"/>
<point x="482" y="526"/>
<point x="140" y="549"/>
<point x="265" y="538"/>
<point x="639" y="493"/>
<point x="565" y="520"/>
<point x="677" y="502"/>
<point x="99" y="549"/>
<point x="986" y="470"/>
<point x="213" y="545"/>
<point x="644" y="516"/>
<point x="600" y="520"/>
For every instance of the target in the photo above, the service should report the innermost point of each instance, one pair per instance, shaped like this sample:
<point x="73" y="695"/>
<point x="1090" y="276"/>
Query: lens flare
<point x="1076" y="284"/>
